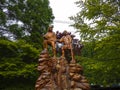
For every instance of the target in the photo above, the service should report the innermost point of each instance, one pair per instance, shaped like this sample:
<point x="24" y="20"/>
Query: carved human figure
<point x="50" y="39"/>
<point x="67" y="44"/>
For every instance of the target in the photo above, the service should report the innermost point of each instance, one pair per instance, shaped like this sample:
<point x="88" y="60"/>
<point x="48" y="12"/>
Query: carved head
<point x="50" y="28"/>
<point x="65" y="32"/>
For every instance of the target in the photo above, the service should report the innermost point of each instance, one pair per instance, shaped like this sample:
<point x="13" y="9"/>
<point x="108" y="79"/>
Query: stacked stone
<point x="77" y="80"/>
<point x="45" y="80"/>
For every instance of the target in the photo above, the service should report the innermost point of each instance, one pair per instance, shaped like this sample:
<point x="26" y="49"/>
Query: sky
<point x="62" y="10"/>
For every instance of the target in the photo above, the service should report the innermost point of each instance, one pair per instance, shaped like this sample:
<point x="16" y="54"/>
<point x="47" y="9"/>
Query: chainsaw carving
<point x="59" y="74"/>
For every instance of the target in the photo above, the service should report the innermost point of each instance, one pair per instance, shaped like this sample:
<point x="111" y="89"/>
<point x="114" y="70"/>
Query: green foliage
<point x="23" y="22"/>
<point x="111" y="47"/>
<point x="100" y="72"/>
<point x="16" y="84"/>
<point x="88" y="50"/>
<point x="20" y="19"/>
<point x="18" y="59"/>
<point x="99" y="25"/>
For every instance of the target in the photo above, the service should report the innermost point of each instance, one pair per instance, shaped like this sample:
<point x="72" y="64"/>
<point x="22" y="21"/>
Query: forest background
<point x="21" y="44"/>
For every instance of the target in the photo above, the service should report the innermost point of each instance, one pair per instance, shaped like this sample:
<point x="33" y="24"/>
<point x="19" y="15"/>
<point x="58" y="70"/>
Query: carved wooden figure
<point x="57" y="73"/>
<point x="50" y="39"/>
<point x="67" y="44"/>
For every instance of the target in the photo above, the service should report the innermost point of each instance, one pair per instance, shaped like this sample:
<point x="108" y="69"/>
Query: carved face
<point x="65" y="32"/>
<point x="50" y="29"/>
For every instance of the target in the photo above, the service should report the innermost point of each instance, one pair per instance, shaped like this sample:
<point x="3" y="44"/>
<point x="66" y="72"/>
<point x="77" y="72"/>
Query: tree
<point x="18" y="62"/>
<point x="99" y="24"/>
<point x="27" y="19"/>
<point x="22" y="24"/>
